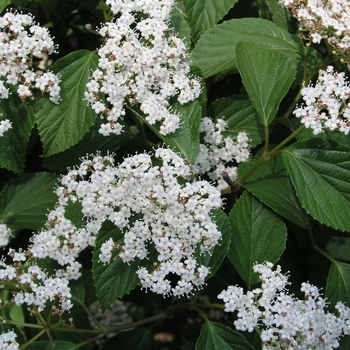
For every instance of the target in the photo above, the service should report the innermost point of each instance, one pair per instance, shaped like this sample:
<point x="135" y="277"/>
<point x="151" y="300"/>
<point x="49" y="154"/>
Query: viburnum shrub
<point x="174" y="174"/>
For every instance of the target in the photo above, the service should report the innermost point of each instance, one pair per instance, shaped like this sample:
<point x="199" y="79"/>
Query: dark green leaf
<point x="64" y="125"/>
<point x="258" y="235"/>
<point x="240" y="115"/>
<point x="13" y="144"/>
<point x="338" y="283"/>
<point x="93" y="141"/>
<point x="271" y="183"/>
<point x="265" y="87"/>
<point x="181" y="26"/>
<point x="184" y="140"/>
<point x="214" y="259"/>
<point x="272" y="10"/>
<point x="215" y="52"/>
<point x="320" y="172"/>
<point x="113" y="280"/>
<point x="219" y="337"/>
<point x="204" y="14"/>
<point x="47" y="6"/>
<point x="138" y="338"/>
<point x="25" y="201"/>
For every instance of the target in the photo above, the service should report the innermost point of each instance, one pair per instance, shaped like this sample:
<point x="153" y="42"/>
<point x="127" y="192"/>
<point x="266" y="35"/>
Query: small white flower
<point x="21" y="38"/>
<point x="286" y="322"/>
<point x="217" y="152"/>
<point x="141" y="63"/>
<point x="326" y="103"/>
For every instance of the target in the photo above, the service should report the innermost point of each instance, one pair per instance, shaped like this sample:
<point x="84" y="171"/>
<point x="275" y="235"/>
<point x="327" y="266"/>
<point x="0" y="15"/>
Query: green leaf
<point x="338" y="283"/>
<point x="204" y="14"/>
<point x="64" y="125"/>
<point x="258" y="235"/>
<point x="113" y="280"/>
<point x="48" y="6"/>
<point x="214" y="259"/>
<point x="240" y="115"/>
<point x="274" y="12"/>
<point x="180" y="26"/>
<point x="184" y="140"/>
<point x="215" y="335"/>
<point x="138" y="338"/>
<point x="48" y="345"/>
<point x="94" y="7"/>
<point x="91" y="142"/>
<point x="272" y="185"/>
<point x="215" y="51"/>
<point x="13" y="144"/>
<point x="320" y="172"/>
<point x="265" y="87"/>
<point x="25" y="201"/>
<point x="344" y="343"/>
<point x="3" y="4"/>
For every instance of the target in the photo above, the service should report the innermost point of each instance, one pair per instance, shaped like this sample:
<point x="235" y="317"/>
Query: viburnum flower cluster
<point x="217" y="152"/>
<point x="4" y="126"/>
<point x="323" y="19"/>
<point x="35" y="286"/>
<point x="142" y="63"/>
<point x="154" y="206"/>
<point x="8" y="341"/>
<point x="285" y="321"/>
<point x="20" y="39"/>
<point x="327" y="103"/>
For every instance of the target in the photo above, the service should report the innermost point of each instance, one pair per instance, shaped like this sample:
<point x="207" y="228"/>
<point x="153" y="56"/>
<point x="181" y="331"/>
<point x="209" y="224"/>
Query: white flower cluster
<point x="5" y="233"/>
<point x="8" y="341"/>
<point x="4" y="126"/>
<point x="285" y="321"/>
<point x="323" y="19"/>
<point x="36" y="286"/>
<point x="21" y="38"/>
<point x="327" y="104"/>
<point x="217" y="152"/>
<point x="155" y="208"/>
<point x="142" y="63"/>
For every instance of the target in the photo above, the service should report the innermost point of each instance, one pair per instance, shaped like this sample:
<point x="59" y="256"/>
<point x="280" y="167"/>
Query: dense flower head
<point x="37" y="287"/>
<point x="327" y="103"/>
<point x="285" y="321"/>
<point x="8" y="341"/>
<point x="142" y="63"/>
<point x="154" y="206"/>
<point x="20" y="38"/>
<point x="217" y="152"/>
<point x="324" y="19"/>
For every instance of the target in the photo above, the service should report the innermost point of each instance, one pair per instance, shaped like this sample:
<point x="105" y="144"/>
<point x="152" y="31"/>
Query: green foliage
<point x="257" y="235"/>
<point x="319" y="170"/>
<point x="265" y="88"/>
<point x="38" y="192"/>
<point x="217" y="336"/>
<point x="64" y="125"/>
<point x="113" y="280"/>
<point x="216" y="50"/>
<point x="291" y="198"/>
<point x="22" y="118"/>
